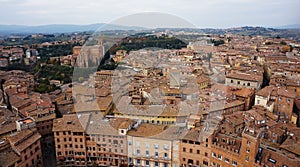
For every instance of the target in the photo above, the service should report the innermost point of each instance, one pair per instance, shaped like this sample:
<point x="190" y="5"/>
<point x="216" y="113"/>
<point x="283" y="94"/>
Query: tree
<point x="282" y="42"/>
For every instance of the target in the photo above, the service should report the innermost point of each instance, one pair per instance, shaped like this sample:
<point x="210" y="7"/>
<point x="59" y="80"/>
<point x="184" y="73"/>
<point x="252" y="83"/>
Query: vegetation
<point x="56" y="50"/>
<point x="140" y="41"/>
<point x="44" y="86"/>
<point x="54" y="72"/>
<point x="283" y="43"/>
<point x="218" y="42"/>
<point x="269" y="43"/>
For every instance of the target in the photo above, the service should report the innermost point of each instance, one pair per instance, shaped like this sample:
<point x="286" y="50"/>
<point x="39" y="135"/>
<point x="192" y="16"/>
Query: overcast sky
<point x="203" y="14"/>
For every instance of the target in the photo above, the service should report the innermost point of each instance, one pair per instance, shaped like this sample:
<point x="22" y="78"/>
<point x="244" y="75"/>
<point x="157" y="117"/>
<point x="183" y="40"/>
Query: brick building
<point x="85" y="140"/>
<point x="194" y="150"/>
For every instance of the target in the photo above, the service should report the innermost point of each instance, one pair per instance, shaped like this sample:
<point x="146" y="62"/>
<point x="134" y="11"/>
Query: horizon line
<point x="196" y="27"/>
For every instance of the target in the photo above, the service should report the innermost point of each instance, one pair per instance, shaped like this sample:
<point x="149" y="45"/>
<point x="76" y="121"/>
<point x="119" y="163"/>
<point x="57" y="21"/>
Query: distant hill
<point x="293" y="26"/>
<point x="62" y="28"/>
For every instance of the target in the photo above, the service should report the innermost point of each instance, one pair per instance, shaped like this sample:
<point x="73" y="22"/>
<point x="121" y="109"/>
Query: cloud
<point x="213" y="13"/>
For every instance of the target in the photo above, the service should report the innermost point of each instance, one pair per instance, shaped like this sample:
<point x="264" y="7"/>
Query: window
<point x="184" y="149"/>
<point x="238" y="82"/>
<point x="138" y="152"/>
<point x="248" y="143"/>
<point x="156" y="164"/>
<point x="165" y="165"/>
<point x="138" y="161"/>
<point x="247" y="150"/>
<point x="166" y="155"/>
<point x="247" y="158"/>
<point x="166" y="147"/>
<point x="156" y="146"/>
<point x="191" y="150"/>
<point x="130" y="142"/>
<point x="234" y="163"/>
<point x="258" y="101"/>
<point x="227" y="160"/>
<point x="147" y="153"/>
<point x="248" y="84"/>
<point x="220" y="157"/>
<point x="137" y="144"/>
<point x="198" y="151"/>
<point x="231" y="81"/>
<point x="156" y="154"/>
<point x="206" y="154"/>
<point x="147" y="145"/>
<point x="147" y="163"/>
<point x="214" y="155"/>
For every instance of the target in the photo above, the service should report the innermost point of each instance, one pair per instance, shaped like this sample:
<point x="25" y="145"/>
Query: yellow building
<point x="159" y="116"/>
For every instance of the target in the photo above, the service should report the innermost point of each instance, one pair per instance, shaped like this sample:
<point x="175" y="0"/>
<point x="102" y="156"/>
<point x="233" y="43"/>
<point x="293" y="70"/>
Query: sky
<point x="200" y="13"/>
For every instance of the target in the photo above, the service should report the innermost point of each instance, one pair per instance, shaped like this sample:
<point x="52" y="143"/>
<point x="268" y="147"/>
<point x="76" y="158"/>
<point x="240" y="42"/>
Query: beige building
<point x="155" y="145"/>
<point x="253" y="81"/>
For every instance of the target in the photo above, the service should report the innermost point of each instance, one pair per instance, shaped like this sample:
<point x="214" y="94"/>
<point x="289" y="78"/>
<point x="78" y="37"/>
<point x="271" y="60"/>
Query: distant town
<point x="162" y="97"/>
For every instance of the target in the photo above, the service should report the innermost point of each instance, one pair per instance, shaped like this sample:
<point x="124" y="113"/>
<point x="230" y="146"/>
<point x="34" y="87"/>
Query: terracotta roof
<point x="70" y="123"/>
<point x="146" y="130"/>
<point x="246" y="77"/>
<point x="265" y="92"/>
<point x="193" y="134"/>
<point x="22" y="139"/>
<point x="8" y="157"/>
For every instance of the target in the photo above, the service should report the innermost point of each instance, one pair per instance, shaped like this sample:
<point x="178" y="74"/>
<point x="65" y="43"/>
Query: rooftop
<point x="246" y="77"/>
